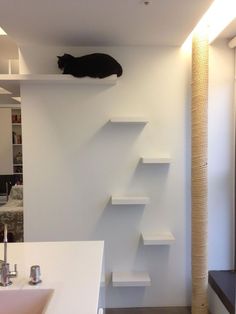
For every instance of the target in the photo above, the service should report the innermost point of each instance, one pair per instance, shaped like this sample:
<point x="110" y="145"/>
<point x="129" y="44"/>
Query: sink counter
<point x="71" y="269"/>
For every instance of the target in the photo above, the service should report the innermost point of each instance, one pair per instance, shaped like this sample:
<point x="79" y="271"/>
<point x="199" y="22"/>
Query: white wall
<point x="215" y="304"/>
<point x="74" y="160"/>
<point x="221" y="156"/>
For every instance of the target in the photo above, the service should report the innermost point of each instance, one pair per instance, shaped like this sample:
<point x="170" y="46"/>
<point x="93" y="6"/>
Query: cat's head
<point x="63" y="60"/>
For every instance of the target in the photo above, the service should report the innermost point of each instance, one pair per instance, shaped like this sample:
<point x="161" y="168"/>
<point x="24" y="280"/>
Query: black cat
<point x="97" y="65"/>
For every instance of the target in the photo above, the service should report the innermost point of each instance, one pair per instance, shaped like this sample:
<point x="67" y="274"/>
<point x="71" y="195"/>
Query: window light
<point x="219" y="15"/>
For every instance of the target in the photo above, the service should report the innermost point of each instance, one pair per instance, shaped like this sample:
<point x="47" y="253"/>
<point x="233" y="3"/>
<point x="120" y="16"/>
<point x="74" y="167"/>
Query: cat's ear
<point x="67" y="56"/>
<point x="58" y="57"/>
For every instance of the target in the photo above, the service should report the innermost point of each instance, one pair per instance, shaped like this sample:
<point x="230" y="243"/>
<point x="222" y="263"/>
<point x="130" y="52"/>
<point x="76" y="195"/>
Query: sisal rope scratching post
<point x="199" y="173"/>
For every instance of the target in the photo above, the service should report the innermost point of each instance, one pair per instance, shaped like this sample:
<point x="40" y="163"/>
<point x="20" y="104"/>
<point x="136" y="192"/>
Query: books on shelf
<point x="18" y="169"/>
<point x="16" y="118"/>
<point x="16" y="138"/>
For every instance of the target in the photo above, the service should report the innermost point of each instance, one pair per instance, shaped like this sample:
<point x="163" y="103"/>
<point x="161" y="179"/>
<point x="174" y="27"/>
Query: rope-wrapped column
<point x="199" y="173"/>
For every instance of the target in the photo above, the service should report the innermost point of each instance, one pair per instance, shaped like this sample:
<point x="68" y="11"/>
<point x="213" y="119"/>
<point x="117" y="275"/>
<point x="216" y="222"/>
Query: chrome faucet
<point x="5" y="273"/>
<point x="35" y="274"/>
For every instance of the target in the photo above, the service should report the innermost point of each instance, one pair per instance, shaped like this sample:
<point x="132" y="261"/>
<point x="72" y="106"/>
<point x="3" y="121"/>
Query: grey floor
<point x="163" y="310"/>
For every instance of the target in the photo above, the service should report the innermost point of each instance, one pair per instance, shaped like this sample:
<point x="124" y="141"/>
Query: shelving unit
<point x="17" y="141"/>
<point x="131" y="120"/>
<point x="16" y="78"/>
<point x="131" y="279"/>
<point x="162" y="238"/>
<point x="129" y="200"/>
<point x="156" y="160"/>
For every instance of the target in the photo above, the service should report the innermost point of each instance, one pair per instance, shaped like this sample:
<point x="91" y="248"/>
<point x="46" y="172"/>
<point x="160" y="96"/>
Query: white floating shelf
<point x="156" y="160"/>
<point x="131" y="279"/>
<point x="64" y="78"/>
<point x="132" y="120"/>
<point x="125" y="200"/>
<point x="163" y="238"/>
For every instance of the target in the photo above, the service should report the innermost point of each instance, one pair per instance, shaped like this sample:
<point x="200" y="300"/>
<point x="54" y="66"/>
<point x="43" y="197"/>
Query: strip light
<point x="219" y="15"/>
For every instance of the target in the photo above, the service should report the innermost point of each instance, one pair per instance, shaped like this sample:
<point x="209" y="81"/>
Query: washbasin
<point x="24" y="301"/>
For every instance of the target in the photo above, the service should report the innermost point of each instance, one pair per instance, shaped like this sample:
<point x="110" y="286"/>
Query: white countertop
<point x="72" y="269"/>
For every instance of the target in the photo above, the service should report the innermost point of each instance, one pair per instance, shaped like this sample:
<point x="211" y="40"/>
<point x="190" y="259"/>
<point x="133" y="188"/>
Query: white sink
<point x="24" y="301"/>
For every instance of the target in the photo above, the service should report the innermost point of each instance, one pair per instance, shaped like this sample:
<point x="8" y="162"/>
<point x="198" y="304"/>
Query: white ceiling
<point x="101" y="22"/>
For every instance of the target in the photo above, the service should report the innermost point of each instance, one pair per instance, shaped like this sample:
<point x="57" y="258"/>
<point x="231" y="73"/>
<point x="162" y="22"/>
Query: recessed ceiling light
<point x="2" y="32"/>
<point x="4" y="91"/>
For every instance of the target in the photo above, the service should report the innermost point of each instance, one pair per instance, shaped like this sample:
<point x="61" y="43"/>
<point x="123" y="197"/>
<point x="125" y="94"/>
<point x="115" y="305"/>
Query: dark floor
<point x="151" y="310"/>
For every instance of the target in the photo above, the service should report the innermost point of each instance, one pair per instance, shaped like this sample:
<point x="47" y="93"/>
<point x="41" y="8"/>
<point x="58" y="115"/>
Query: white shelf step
<point x="155" y="160"/>
<point x="129" y="200"/>
<point x="163" y="238"/>
<point x="132" y="120"/>
<point x="56" y="78"/>
<point x="131" y="279"/>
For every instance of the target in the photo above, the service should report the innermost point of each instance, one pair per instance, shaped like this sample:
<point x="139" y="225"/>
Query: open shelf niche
<point x="161" y="238"/>
<point x="131" y="279"/>
<point x="129" y="200"/>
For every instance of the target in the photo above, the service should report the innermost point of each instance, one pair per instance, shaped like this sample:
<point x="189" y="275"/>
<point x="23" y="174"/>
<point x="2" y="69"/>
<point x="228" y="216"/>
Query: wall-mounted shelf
<point x="155" y="160"/>
<point x="162" y="238"/>
<point x="131" y="120"/>
<point x="129" y="200"/>
<point x="131" y="279"/>
<point x="35" y="78"/>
